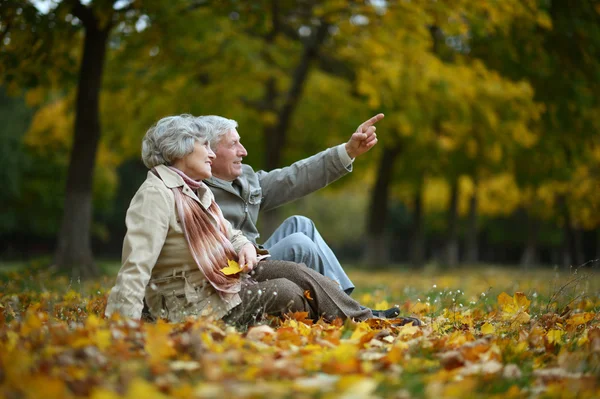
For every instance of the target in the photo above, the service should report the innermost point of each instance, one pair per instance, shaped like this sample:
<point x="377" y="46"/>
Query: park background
<point x="489" y="151"/>
<point x="477" y="211"/>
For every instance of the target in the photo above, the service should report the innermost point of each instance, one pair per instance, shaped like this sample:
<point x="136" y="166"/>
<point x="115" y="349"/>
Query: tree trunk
<point x="452" y="234"/>
<point x="570" y="243"/>
<point x="578" y="237"/>
<point x="529" y="256"/>
<point x="276" y="135"/>
<point x="377" y="244"/>
<point x="597" y="246"/>
<point x="418" y="229"/>
<point x="472" y="250"/>
<point x="74" y="251"/>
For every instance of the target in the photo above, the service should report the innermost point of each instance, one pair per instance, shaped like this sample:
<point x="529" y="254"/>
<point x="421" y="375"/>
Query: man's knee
<point x="300" y="223"/>
<point x="301" y="248"/>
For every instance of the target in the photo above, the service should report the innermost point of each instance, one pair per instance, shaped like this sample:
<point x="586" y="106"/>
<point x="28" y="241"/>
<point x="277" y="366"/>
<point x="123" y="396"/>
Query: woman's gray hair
<point x="172" y="138"/>
<point x="220" y="127"/>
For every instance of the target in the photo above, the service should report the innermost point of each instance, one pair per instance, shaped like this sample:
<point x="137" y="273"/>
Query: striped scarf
<point x="208" y="243"/>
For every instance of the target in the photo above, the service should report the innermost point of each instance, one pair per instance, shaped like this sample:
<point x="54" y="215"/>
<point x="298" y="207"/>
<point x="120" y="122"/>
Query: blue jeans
<point x="298" y="240"/>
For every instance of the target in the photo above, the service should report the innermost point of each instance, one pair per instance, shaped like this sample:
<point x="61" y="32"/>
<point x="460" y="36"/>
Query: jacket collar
<point x="173" y="180"/>
<point x="224" y="184"/>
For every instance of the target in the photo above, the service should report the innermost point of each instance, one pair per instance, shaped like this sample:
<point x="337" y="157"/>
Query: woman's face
<point x="197" y="164"/>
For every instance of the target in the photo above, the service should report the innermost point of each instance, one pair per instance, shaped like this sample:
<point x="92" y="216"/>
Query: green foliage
<point x="500" y="94"/>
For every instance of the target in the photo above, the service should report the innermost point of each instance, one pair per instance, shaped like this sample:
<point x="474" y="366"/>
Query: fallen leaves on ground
<point x="57" y="343"/>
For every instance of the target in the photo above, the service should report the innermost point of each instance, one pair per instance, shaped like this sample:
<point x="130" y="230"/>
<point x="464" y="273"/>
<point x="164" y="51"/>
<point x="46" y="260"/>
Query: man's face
<point x="229" y="151"/>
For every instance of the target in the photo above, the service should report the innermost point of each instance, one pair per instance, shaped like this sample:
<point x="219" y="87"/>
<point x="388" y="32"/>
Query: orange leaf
<point x="302" y="317"/>
<point x="307" y="295"/>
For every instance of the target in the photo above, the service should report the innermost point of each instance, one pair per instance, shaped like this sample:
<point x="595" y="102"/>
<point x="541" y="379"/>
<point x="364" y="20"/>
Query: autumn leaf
<point x="487" y="328"/>
<point x="382" y="305"/>
<point x="232" y="268"/>
<point x="158" y="343"/>
<point x="514" y="308"/>
<point x="580" y="318"/>
<point x="307" y="295"/>
<point x="555" y="336"/>
<point x="66" y="349"/>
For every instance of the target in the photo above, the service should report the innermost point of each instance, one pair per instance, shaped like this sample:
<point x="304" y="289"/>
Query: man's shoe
<point x="390" y="313"/>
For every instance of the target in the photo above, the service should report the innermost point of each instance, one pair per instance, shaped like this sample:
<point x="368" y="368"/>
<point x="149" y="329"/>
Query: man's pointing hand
<point x="364" y="138"/>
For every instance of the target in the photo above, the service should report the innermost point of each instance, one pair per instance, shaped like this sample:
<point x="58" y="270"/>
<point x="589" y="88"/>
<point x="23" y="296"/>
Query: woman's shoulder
<point x="154" y="187"/>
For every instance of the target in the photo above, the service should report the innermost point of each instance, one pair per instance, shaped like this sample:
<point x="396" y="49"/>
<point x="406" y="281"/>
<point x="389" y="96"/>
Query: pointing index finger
<point x="372" y="121"/>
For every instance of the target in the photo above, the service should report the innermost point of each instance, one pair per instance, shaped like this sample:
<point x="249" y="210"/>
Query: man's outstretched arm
<point x="303" y="177"/>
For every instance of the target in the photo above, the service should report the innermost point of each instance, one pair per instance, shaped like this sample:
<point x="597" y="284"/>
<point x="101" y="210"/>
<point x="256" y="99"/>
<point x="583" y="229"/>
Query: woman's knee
<point x="286" y="297"/>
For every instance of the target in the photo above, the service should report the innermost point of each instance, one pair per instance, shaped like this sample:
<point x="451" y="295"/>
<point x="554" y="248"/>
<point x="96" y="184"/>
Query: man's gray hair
<point x="172" y="138"/>
<point x="220" y="128"/>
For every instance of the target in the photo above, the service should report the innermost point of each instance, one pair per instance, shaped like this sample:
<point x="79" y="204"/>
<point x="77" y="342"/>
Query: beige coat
<point x="157" y="263"/>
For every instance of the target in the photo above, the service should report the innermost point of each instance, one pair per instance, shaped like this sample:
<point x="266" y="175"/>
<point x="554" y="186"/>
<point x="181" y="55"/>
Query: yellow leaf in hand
<point x="232" y="268"/>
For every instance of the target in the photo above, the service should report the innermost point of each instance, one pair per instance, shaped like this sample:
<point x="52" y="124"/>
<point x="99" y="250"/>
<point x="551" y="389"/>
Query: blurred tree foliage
<point x="491" y="112"/>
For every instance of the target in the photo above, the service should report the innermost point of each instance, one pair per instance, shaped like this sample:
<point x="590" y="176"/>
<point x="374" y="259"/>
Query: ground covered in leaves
<point x="489" y="332"/>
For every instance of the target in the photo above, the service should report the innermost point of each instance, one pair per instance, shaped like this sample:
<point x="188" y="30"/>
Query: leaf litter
<point x="58" y="344"/>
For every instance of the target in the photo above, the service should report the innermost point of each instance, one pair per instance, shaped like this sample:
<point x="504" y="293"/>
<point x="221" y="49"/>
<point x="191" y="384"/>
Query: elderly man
<point x="243" y="193"/>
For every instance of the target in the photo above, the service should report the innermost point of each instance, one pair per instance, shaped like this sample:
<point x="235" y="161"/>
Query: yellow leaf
<point x="232" y="268"/>
<point x="103" y="339"/>
<point x="307" y="295"/>
<point x="361" y="330"/>
<point x="13" y="339"/>
<point x="140" y="388"/>
<point x="33" y="322"/>
<point x="408" y="330"/>
<point x="522" y="318"/>
<point x="504" y="299"/>
<point x="487" y="328"/>
<point x="514" y="308"/>
<point x="103" y="393"/>
<point x="555" y="336"/>
<point x="521" y="301"/>
<point x="159" y="344"/>
<point x="92" y="321"/>
<point x="382" y="305"/>
<point x="41" y="386"/>
<point x="357" y="386"/>
<point x="580" y="318"/>
<point x="420" y="308"/>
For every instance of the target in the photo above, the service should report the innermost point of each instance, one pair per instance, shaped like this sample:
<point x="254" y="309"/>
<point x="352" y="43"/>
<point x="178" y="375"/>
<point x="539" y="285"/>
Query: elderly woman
<point x="178" y="243"/>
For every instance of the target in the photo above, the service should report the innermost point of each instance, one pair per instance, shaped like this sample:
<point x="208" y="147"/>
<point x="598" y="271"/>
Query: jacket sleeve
<point x="287" y="184"/>
<point x="147" y="223"/>
<point x="237" y="238"/>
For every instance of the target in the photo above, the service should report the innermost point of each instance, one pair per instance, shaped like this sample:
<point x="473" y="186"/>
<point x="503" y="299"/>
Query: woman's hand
<point x="247" y="257"/>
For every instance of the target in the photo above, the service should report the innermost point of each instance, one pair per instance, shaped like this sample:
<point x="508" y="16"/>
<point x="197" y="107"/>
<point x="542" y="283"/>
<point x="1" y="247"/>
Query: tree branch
<point x="84" y="13"/>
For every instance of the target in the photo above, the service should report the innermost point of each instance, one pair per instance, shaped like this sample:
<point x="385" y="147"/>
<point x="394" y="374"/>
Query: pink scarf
<point x="209" y="245"/>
